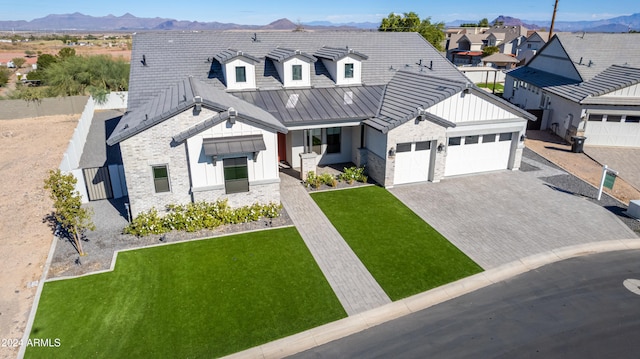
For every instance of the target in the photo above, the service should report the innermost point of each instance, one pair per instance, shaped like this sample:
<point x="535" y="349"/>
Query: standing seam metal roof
<point x="180" y="97"/>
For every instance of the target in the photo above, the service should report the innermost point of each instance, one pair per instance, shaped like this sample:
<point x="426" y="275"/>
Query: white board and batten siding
<point x="205" y="174"/>
<point x="477" y="146"/>
<point x="469" y="108"/>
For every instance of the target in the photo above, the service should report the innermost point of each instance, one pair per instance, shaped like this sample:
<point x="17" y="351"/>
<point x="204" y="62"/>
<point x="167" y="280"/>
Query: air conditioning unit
<point x="634" y="209"/>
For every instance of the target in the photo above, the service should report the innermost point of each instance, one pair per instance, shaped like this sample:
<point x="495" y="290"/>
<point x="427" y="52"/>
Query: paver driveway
<point x="622" y="159"/>
<point x="499" y="217"/>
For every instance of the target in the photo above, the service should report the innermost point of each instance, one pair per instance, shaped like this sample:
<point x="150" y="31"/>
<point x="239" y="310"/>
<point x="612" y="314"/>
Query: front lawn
<point x="199" y="299"/>
<point x="403" y="253"/>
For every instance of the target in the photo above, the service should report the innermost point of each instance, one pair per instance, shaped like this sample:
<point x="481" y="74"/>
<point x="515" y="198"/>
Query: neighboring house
<point x="500" y="61"/>
<point x="583" y="84"/>
<point x="530" y="46"/>
<point x="212" y="114"/>
<point x="465" y="49"/>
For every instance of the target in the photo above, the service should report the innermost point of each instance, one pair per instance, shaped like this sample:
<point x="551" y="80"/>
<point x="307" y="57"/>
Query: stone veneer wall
<point x="376" y="167"/>
<point x="413" y="131"/>
<point x="154" y="147"/>
<point x="262" y="193"/>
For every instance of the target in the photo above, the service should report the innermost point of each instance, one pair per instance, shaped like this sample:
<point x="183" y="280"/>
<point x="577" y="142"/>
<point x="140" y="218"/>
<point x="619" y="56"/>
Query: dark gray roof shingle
<point x="599" y="51"/>
<point x="227" y="55"/>
<point x="182" y="96"/>
<point x="281" y="54"/>
<point x="171" y="56"/>
<point x="407" y="93"/>
<point x="335" y="53"/>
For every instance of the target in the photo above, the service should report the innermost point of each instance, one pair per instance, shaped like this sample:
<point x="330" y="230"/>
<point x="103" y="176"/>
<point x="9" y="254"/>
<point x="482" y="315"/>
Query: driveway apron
<point x="496" y="218"/>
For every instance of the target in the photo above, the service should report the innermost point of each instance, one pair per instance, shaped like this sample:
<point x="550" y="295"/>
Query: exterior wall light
<point x="440" y="147"/>
<point x="392" y="152"/>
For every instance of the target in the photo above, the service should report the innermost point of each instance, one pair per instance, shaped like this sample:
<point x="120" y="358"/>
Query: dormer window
<point x="348" y="71"/>
<point x="293" y="66"/>
<point x="239" y="69"/>
<point x="296" y="72"/>
<point x="241" y="74"/>
<point x="344" y="64"/>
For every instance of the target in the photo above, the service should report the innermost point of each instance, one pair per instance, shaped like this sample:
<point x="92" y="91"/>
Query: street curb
<point x="344" y="327"/>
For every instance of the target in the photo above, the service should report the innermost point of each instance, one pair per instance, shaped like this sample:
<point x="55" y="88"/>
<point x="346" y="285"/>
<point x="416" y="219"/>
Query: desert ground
<point x="29" y="148"/>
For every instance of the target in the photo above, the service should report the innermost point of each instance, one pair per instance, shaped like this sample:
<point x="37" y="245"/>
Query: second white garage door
<point x="479" y="153"/>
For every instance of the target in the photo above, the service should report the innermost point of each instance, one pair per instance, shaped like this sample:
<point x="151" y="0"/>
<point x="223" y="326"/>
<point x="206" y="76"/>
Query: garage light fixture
<point x="392" y="152"/>
<point x="440" y="147"/>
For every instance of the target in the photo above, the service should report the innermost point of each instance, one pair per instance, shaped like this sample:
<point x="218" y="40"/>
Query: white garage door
<point x="412" y="162"/>
<point x="472" y="154"/>
<point x="613" y="130"/>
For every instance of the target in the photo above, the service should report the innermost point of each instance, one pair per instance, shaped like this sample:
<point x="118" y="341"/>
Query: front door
<point x="282" y="147"/>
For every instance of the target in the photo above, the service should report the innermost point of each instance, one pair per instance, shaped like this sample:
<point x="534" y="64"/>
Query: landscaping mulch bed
<point x="99" y="245"/>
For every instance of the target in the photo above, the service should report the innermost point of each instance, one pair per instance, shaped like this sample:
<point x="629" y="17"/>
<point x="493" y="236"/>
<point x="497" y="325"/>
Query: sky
<point x="262" y="12"/>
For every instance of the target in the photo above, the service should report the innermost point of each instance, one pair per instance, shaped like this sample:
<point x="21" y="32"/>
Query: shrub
<point x="313" y="180"/>
<point x="328" y="179"/>
<point x="197" y="216"/>
<point x="352" y="174"/>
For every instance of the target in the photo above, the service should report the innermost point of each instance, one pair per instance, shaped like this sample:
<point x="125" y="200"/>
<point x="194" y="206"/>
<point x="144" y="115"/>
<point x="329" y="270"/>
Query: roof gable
<point x="182" y="96"/>
<point x="230" y="54"/>
<point x="282" y="54"/>
<point x="598" y="51"/>
<point x="335" y="53"/>
<point x="610" y="80"/>
<point x="408" y="94"/>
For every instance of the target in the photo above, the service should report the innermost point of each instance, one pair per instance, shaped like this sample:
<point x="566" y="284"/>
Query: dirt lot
<point x="28" y="149"/>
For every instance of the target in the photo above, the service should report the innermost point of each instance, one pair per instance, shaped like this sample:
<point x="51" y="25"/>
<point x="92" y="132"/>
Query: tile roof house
<point x="465" y="49"/>
<point x="583" y="84"/>
<point x="211" y="114"/>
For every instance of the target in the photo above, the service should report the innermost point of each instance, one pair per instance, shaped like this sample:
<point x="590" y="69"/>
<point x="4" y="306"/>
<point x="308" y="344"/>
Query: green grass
<point x="499" y="87"/>
<point x="403" y="253"/>
<point x="199" y="299"/>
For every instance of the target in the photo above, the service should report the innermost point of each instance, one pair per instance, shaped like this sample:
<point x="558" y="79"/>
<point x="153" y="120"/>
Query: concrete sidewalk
<point x="354" y="286"/>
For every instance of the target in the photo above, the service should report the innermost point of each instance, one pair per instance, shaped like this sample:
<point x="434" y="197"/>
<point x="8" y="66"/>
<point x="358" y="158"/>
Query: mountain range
<point x="128" y="22"/>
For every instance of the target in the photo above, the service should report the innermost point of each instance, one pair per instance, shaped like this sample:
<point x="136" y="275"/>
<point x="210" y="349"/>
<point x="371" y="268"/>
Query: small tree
<point x="30" y="53"/>
<point x="69" y="213"/>
<point x="66" y="52"/>
<point x="18" y="61"/>
<point x="483" y="22"/>
<point x="4" y="76"/>
<point x="489" y="50"/>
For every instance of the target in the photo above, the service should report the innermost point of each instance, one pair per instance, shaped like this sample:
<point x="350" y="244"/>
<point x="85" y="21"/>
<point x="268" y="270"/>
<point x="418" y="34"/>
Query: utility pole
<point x="553" y="20"/>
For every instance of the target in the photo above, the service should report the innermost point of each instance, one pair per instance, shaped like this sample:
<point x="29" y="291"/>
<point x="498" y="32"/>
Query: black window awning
<point x="233" y="145"/>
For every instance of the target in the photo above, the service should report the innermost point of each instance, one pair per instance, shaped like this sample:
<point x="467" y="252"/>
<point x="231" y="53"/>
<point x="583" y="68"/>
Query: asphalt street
<point x="577" y="308"/>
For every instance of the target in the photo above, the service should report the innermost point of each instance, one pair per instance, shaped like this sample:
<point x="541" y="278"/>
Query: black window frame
<point x="471" y="140"/>
<point x="614" y="118"/>
<point x="236" y="174"/>
<point x="487" y="135"/>
<point x="595" y="117"/>
<point x="454" y="141"/>
<point x="505" y="136"/>
<point x="334" y="140"/>
<point x="161" y="184"/>
<point x="632" y="119"/>
<point x="349" y="70"/>
<point x="241" y="74"/>
<point x="423" y="145"/>
<point x="298" y="72"/>
<point x="403" y="147"/>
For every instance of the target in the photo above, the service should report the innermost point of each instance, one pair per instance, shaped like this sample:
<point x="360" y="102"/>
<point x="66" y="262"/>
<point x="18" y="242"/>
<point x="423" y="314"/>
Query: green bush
<point x="352" y="174"/>
<point x="313" y="180"/>
<point x="200" y="215"/>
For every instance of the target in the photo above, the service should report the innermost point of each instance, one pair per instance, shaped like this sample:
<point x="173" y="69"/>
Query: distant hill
<point x="128" y="22"/>
<point x="616" y="24"/>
